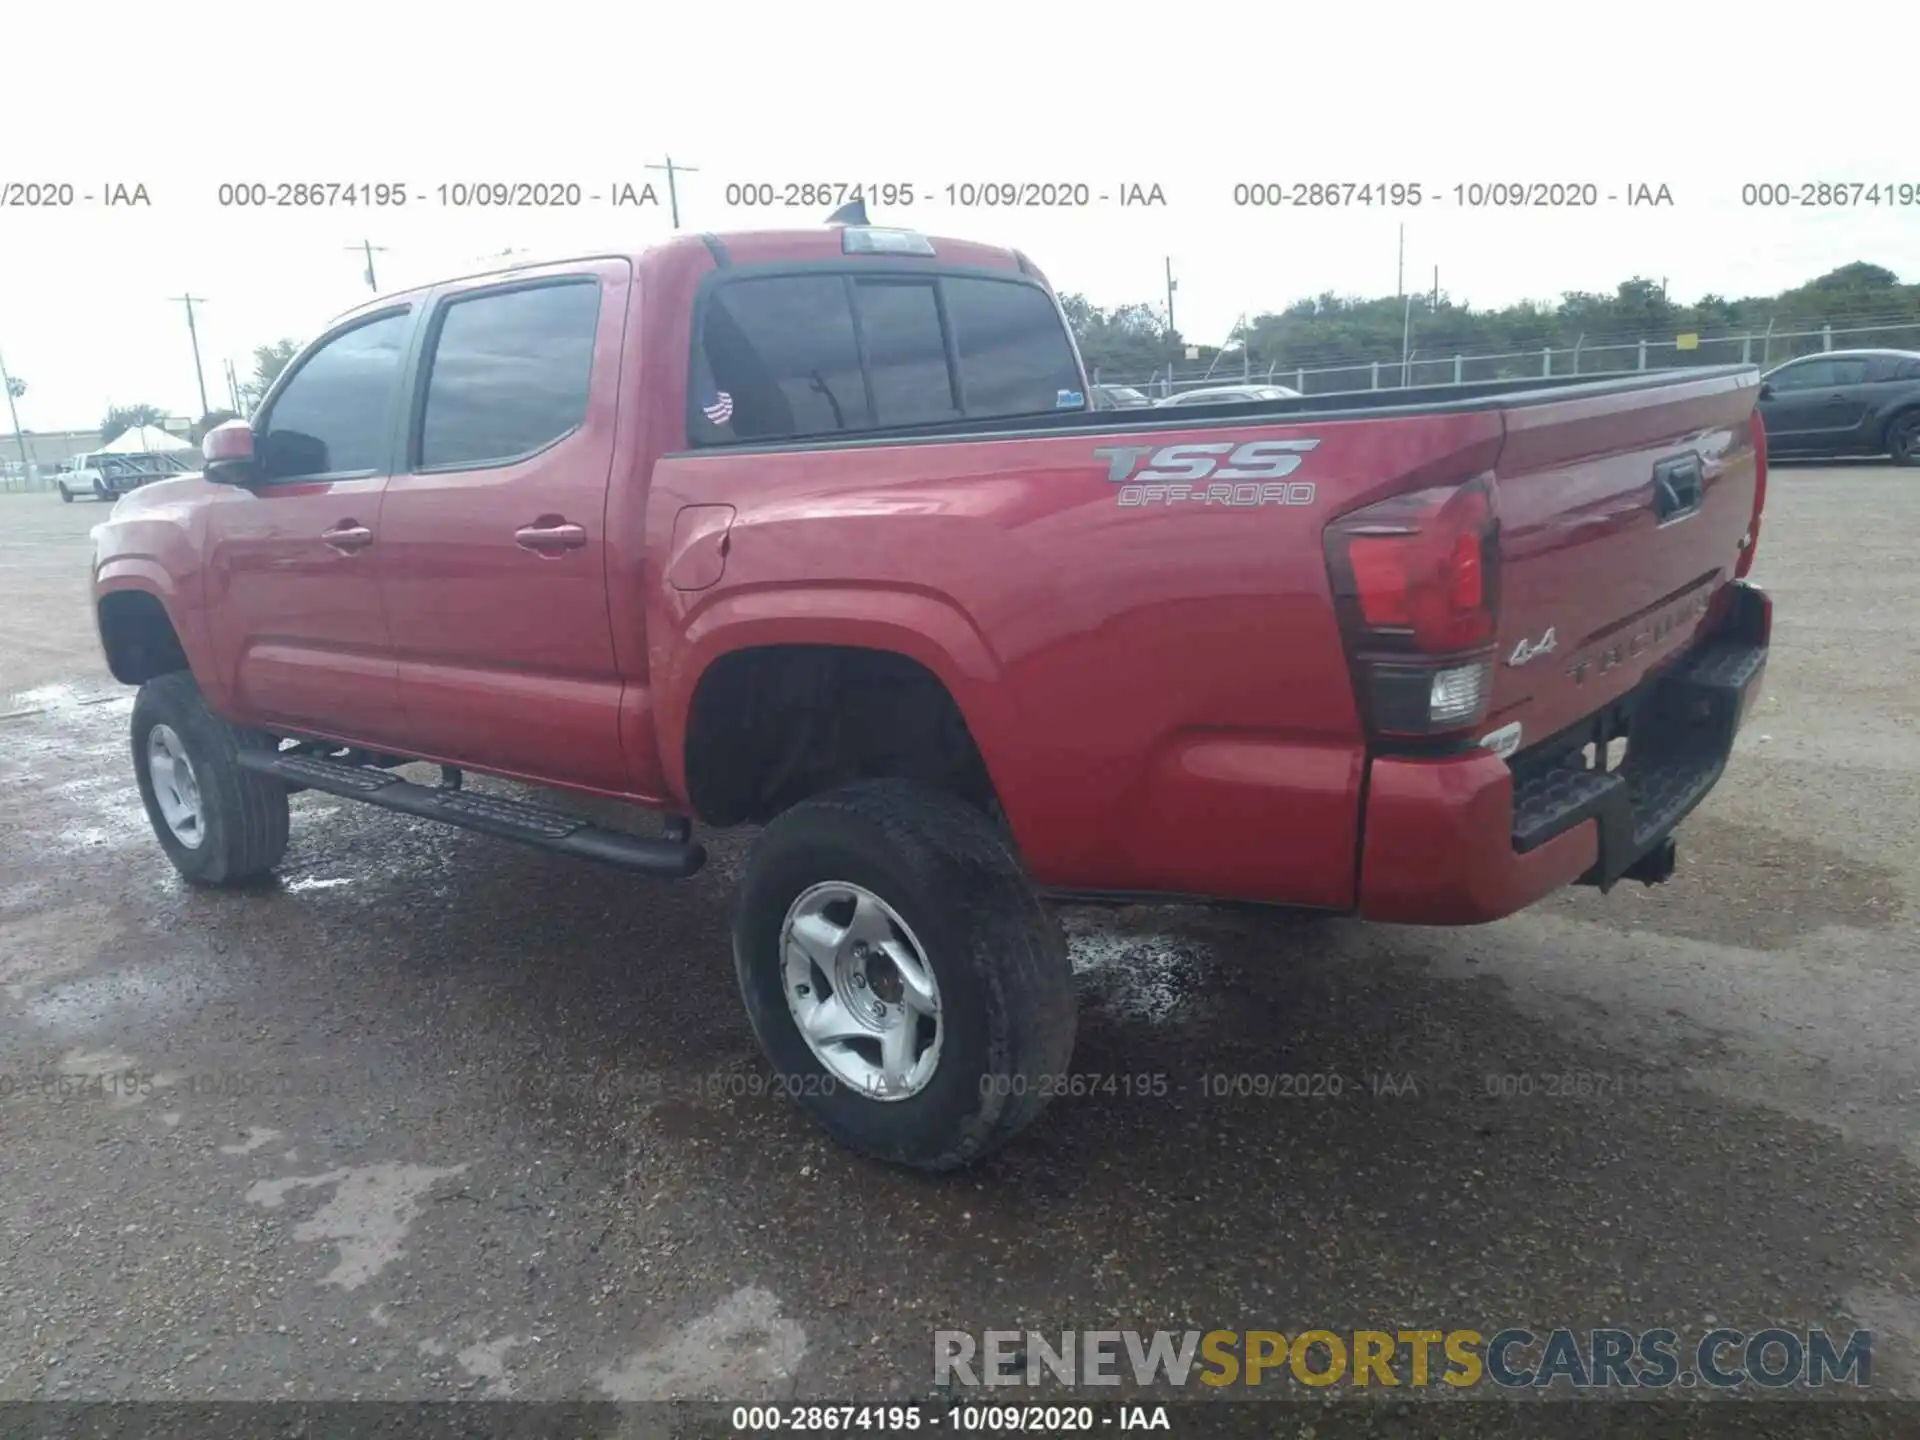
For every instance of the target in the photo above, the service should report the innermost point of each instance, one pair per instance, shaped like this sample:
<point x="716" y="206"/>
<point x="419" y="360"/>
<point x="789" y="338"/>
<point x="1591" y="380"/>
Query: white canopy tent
<point x="144" y="440"/>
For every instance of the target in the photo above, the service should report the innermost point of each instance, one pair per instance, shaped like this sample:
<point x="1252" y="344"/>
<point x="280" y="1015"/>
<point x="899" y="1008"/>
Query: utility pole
<point x="673" y="190"/>
<point x="367" y="248"/>
<point x="193" y="334"/>
<point x="1406" y="314"/>
<point x="1172" y="285"/>
<point x="20" y="439"/>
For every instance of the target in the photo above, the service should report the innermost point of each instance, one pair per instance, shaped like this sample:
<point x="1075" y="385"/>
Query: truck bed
<point x="1485" y="395"/>
<point x="1160" y="688"/>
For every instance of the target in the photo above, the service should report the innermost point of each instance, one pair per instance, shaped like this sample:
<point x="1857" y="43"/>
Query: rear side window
<point x="509" y="374"/>
<point x="1014" y="356"/>
<point x="332" y="416"/>
<point x="798" y="356"/>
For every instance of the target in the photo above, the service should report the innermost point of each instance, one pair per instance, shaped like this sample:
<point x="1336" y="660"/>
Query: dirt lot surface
<point x="438" y="1116"/>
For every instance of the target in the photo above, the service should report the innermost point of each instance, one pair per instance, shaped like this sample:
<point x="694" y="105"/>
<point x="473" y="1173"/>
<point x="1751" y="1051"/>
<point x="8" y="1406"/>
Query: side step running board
<point x="489" y="814"/>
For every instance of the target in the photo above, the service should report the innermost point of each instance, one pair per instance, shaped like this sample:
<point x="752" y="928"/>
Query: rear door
<point x="493" y="556"/>
<point x="292" y="602"/>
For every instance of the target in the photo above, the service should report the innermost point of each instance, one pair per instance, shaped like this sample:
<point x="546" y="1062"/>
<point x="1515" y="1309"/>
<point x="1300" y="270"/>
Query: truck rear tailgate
<point x="1622" y="514"/>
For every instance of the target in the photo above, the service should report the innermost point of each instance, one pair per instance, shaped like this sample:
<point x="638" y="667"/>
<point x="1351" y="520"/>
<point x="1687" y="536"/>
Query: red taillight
<point x="1751" y="545"/>
<point x="1416" y="579"/>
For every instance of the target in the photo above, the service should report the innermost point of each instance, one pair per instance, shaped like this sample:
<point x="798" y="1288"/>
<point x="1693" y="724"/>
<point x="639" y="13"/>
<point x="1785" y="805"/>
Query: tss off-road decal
<point x="1223" y="472"/>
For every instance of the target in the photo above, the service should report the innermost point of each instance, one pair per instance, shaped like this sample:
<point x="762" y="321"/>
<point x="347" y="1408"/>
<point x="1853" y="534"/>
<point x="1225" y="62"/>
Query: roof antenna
<point x="854" y="212"/>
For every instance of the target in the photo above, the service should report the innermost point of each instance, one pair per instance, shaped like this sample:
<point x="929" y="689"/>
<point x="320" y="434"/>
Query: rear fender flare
<point x="926" y="628"/>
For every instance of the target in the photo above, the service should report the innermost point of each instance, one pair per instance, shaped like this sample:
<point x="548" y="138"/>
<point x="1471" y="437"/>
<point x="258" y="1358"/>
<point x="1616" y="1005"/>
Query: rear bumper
<point x="1464" y="839"/>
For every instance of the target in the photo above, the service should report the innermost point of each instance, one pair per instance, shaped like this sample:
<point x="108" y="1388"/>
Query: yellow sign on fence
<point x="1686" y="342"/>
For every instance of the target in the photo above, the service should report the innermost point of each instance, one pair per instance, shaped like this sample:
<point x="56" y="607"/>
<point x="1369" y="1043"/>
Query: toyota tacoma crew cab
<point x="820" y="531"/>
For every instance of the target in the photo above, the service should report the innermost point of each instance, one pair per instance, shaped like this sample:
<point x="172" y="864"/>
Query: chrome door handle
<point x="348" y="537"/>
<point x="551" y="537"/>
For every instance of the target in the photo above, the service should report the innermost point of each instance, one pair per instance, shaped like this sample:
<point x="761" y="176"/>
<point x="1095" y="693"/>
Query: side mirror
<point x="228" y="449"/>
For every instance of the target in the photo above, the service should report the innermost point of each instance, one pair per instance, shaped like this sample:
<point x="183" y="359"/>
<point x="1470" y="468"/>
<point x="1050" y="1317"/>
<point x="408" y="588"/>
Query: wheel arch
<point x="142" y="624"/>
<point x="1906" y="409"/>
<point x="927" y="631"/>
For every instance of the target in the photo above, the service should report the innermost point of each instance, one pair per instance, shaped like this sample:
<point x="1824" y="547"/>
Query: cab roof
<point x="742" y="247"/>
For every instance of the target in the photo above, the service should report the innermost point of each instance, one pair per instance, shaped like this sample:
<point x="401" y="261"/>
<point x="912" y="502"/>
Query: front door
<point x="493" y="555"/>
<point x="293" y="603"/>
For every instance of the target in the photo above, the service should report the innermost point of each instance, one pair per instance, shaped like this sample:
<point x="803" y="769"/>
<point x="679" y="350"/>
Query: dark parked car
<point x="1118" y="397"/>
<point x="1845" y="402"/>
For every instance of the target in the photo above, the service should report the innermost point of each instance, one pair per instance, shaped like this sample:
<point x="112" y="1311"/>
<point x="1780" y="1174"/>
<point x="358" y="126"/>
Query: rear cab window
<point x="508" y="373"/>
<point x="822" y="351"/>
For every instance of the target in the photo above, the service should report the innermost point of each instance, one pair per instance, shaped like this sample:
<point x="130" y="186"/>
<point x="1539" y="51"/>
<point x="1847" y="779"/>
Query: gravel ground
<point x="437" y="1116"/>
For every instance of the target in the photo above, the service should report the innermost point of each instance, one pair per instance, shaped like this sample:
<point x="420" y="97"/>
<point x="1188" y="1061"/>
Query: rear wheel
<point x="218" y="823"/>
<point x="901" y="974"/>
<point x="1903" y="438"/>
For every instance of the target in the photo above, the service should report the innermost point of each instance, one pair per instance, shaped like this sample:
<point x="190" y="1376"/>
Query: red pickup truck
<point x="819" y="530"/>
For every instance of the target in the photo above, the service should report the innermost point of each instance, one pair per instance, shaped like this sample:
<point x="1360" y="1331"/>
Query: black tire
<point x="998" y="957"/>
<point x="66" y="496"/>
<point x="244" y="815"/>
<point x="1903" y="438"/>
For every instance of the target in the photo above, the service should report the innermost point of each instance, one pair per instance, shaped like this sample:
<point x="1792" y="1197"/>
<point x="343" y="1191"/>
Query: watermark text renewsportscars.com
<point x="1512" y="1358"/>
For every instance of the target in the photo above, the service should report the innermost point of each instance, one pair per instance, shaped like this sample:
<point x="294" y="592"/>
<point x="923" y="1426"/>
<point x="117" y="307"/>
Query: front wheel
<point x="218" y="823"/>
<point x="1903" y="438"/>
<point x="901" y="974"/>
<point x="66" y="496"/>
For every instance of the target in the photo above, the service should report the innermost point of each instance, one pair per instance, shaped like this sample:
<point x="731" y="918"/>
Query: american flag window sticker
<point x="719" y="409"/>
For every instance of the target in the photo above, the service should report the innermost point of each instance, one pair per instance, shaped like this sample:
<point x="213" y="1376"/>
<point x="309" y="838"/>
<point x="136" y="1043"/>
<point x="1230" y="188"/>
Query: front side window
<point x="509" y="374"/>
<point x="1805" y="376"/>
<point x="334" y="416"/>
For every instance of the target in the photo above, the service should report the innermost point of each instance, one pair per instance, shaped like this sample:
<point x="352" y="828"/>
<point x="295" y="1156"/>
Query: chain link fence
<point x="1614" y="356"/>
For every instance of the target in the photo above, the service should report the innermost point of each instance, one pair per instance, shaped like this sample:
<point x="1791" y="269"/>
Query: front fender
<point x="123" y="569"/>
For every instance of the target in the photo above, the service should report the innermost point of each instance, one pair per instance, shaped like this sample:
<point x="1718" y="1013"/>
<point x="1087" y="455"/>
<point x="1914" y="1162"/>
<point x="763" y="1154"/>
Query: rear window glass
<point x="781" y="357"/>
<point x="907" y="352"/>
<point x="1014" y="355"/>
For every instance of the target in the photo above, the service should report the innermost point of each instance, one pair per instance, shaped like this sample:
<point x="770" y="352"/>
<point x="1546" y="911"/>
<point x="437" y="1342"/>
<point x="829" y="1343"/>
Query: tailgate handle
<point x="1677" y="487"/>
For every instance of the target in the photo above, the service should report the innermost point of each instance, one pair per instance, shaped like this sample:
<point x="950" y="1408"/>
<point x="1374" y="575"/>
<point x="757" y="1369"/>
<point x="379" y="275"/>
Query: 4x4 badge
<point x="1532" y="649"/>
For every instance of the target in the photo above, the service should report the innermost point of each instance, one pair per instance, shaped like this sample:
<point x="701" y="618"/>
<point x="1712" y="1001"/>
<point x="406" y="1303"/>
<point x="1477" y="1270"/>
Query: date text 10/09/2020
<point x="903" y="1418"/>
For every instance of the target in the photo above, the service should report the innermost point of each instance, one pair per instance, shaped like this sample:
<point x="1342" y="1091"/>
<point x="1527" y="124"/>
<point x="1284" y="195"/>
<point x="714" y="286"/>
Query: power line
<point x="673" y="191"/>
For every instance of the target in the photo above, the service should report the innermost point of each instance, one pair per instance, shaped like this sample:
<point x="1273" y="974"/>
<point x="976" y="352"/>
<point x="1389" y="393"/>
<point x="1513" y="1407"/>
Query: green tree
<point x="269" y="361"/>
<point x="121" y="418"/>
<point x="207" y="422"/>
<point x="1327" y="332"/>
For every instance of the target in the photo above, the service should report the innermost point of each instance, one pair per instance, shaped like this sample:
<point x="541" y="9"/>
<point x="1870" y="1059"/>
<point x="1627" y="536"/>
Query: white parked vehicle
<point x="1228" y="394"/>
<point x="108" y="477"/>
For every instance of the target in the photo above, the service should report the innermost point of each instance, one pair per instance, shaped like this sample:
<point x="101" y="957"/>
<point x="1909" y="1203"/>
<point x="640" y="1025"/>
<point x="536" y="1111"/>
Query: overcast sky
<point x="1700" y="97"/>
